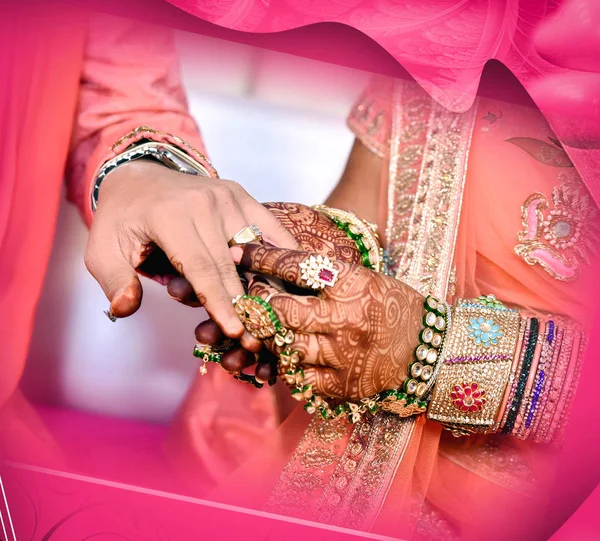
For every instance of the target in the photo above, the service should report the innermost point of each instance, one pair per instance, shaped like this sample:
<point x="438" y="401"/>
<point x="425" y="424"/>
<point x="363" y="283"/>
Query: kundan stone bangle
<point x="407" y="401"/>
<point x="476" y="365"/>
<point x="422" y="372"/>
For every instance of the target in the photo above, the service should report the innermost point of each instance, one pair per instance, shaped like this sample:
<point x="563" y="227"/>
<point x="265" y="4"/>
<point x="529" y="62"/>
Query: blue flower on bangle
<point x="484" y="331"/>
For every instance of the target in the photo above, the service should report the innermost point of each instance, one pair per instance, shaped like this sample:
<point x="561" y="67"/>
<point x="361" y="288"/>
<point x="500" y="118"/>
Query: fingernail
<point x="123" y="299"/>
<point x="126" y="291"/>
<point x="178" y="299"/>
<point x="236" y="253"/>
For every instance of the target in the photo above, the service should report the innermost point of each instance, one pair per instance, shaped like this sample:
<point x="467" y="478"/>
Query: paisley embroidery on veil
<point x="559" y="233"/>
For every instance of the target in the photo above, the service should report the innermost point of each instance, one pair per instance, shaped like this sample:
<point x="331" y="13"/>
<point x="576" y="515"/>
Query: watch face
<point x="176" y="159"/>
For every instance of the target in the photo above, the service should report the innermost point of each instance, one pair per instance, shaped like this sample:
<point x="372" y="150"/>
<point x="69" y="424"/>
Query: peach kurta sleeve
<point x="130" y="78"/>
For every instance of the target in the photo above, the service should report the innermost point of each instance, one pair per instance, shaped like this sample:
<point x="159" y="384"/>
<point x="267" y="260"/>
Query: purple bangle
<point x="541" y="376"/>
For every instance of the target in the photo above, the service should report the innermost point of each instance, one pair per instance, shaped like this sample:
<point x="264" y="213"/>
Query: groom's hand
<point x="166" y="222"/>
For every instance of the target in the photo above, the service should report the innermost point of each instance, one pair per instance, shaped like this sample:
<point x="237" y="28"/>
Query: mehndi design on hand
<point x="356" y="339"/>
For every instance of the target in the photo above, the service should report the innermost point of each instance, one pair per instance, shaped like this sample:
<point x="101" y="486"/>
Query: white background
<point x="272" y="122"/>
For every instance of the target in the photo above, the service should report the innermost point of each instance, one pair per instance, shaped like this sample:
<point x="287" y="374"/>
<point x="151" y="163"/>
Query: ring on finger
<point x="318" y="272"/>
<point x="247" y="234"/>
<point x="257" y="316"/>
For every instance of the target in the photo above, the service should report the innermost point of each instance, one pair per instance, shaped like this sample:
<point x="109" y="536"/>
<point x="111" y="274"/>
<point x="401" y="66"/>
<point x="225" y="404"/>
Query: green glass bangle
<point x="523" y="377"/>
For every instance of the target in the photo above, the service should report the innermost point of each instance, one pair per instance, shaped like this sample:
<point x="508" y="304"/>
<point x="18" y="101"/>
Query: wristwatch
<point x="168" y="155"/>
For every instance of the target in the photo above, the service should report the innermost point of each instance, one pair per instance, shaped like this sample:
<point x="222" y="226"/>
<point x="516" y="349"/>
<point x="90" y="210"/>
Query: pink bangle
<point x="542" y="415"/>
<point x="541" y="380"/>
<point x="557" y="384"/>
<point x="513" y="380"/>
<point x="562" y="425"/>
<point x="567" y="390"/>
<point x="519" y="429"/>
<point x="513" y="371"/>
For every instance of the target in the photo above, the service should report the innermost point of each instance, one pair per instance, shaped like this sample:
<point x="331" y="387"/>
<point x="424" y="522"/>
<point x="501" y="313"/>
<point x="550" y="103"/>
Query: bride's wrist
<point x="428" y="337"/>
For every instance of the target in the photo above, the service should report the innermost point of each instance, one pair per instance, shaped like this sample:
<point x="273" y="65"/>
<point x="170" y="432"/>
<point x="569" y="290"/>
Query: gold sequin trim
<point x="428" y="166"/>
<point x="341" y="473"/>
<point x="359" y="485"/>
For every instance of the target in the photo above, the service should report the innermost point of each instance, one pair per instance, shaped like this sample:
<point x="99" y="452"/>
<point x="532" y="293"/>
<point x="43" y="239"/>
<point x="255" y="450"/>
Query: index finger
<point x="304" y="269"/>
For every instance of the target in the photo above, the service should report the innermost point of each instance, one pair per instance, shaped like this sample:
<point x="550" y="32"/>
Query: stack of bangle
<point x="529" y="351"/>
<point x="164" y="148"/>
<point x="363" y="233"/>
<point x="540" y="395"/>
<point x="502" y="372"/>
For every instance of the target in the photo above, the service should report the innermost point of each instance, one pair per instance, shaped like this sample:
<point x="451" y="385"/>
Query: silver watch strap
<point x="168" y="155"/>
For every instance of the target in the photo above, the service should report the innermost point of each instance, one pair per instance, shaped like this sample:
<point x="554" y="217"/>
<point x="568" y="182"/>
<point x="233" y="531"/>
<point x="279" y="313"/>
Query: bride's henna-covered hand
<point x="314" y="232"/>
<point x="357" y="338"/>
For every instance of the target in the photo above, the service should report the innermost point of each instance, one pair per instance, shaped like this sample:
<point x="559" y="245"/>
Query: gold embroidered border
<point x="345" y="479"/>
<point x="411" y="110"/>
<point x="426" y="262"/>
<point x="360" y="483"/>
<point x="309" y="469"/>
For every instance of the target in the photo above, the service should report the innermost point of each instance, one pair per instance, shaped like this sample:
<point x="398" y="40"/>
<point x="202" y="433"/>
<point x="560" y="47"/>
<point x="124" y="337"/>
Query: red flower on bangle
<point x="467" y="397"/>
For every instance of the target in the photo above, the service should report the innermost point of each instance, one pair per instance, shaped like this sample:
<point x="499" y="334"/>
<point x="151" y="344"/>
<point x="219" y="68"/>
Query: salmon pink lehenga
<point x="411" y="478"/>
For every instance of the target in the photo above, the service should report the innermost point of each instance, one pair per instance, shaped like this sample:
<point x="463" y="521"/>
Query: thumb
<point x="127" y="299"/>
<point x="118" y="279"/>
